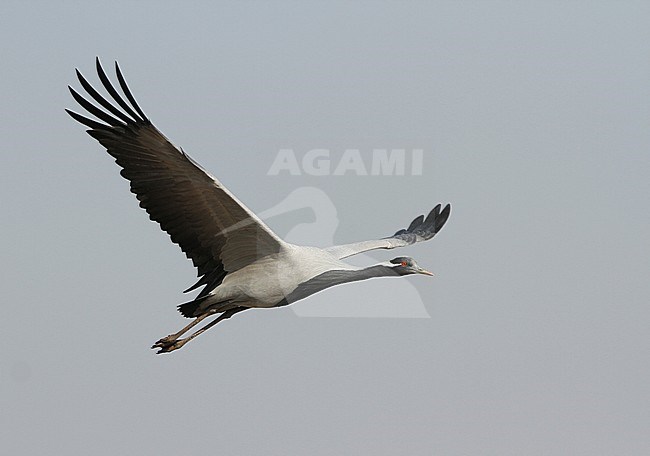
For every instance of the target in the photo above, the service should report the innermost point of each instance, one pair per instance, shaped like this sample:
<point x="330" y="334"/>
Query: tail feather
<point x="189" y="309"/>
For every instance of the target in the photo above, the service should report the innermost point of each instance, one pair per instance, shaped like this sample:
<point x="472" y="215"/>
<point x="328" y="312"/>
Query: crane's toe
<point x="170" y="347"/>
<point x="165" y="341"/>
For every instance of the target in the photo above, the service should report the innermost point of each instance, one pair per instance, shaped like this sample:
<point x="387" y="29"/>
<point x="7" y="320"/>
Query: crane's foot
<point x="165" y="341"/>
<point x="169" y="345"/>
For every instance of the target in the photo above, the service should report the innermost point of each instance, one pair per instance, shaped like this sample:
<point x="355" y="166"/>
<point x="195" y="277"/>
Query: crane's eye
<point x="404" y="263"/>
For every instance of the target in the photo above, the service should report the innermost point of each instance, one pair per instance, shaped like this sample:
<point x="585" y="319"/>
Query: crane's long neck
<point x="376" y="270"/>
<point x="337" y="277"/>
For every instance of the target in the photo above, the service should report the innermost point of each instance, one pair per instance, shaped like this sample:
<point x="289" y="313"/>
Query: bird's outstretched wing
<point x="420" y="229"/>
<point x="216" y="231"/>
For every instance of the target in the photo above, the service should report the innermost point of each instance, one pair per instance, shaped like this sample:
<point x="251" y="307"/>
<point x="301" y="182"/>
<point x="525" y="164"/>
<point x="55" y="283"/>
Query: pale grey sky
<point x="533" y="118"/>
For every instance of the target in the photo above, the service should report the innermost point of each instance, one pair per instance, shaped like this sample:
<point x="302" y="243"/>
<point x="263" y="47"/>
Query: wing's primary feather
<point x="420" y="229"/>
<point x="215" y="230"/>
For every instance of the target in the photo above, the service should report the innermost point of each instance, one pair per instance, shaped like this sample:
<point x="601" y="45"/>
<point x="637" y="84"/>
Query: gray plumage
<point x="241" y="263"/>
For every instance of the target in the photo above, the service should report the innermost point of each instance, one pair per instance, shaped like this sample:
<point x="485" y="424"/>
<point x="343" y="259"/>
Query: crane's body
<point x="267" y="281"/>
<point x="241" y="262"/>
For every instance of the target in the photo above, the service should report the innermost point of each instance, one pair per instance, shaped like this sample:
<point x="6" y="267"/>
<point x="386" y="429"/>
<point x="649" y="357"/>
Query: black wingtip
<point x="98" y="64"/>
<point x="442" y="218"/>
<point x="431" y="216"/>
<point x="106" y="82"/>
<point x="417" y="221"/>
<point x="92" y="109"/>
<point x="127" y="92"/>
<point x="425" y="228"/>
<point x="86" y="121"/>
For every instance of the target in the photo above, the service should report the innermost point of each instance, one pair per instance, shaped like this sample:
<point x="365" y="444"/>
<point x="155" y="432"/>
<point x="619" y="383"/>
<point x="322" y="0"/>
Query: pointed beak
<point x="425" y="272"/>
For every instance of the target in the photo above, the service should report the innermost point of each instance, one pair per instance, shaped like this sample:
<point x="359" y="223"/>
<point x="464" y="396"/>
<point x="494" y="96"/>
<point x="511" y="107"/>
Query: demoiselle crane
<point x="241" y="263"/>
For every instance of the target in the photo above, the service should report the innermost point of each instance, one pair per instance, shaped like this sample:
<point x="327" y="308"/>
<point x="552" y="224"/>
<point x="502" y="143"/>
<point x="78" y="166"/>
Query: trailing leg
<point x="175" y="344"/>
<point x="168" y="340"/>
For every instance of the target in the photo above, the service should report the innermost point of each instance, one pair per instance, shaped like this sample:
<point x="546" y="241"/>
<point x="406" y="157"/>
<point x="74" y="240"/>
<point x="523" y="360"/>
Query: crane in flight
<point x="242" y="264"/>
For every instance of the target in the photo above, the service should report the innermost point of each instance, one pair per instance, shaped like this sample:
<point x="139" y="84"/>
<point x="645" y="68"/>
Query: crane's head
<point x="407" y="265"/>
